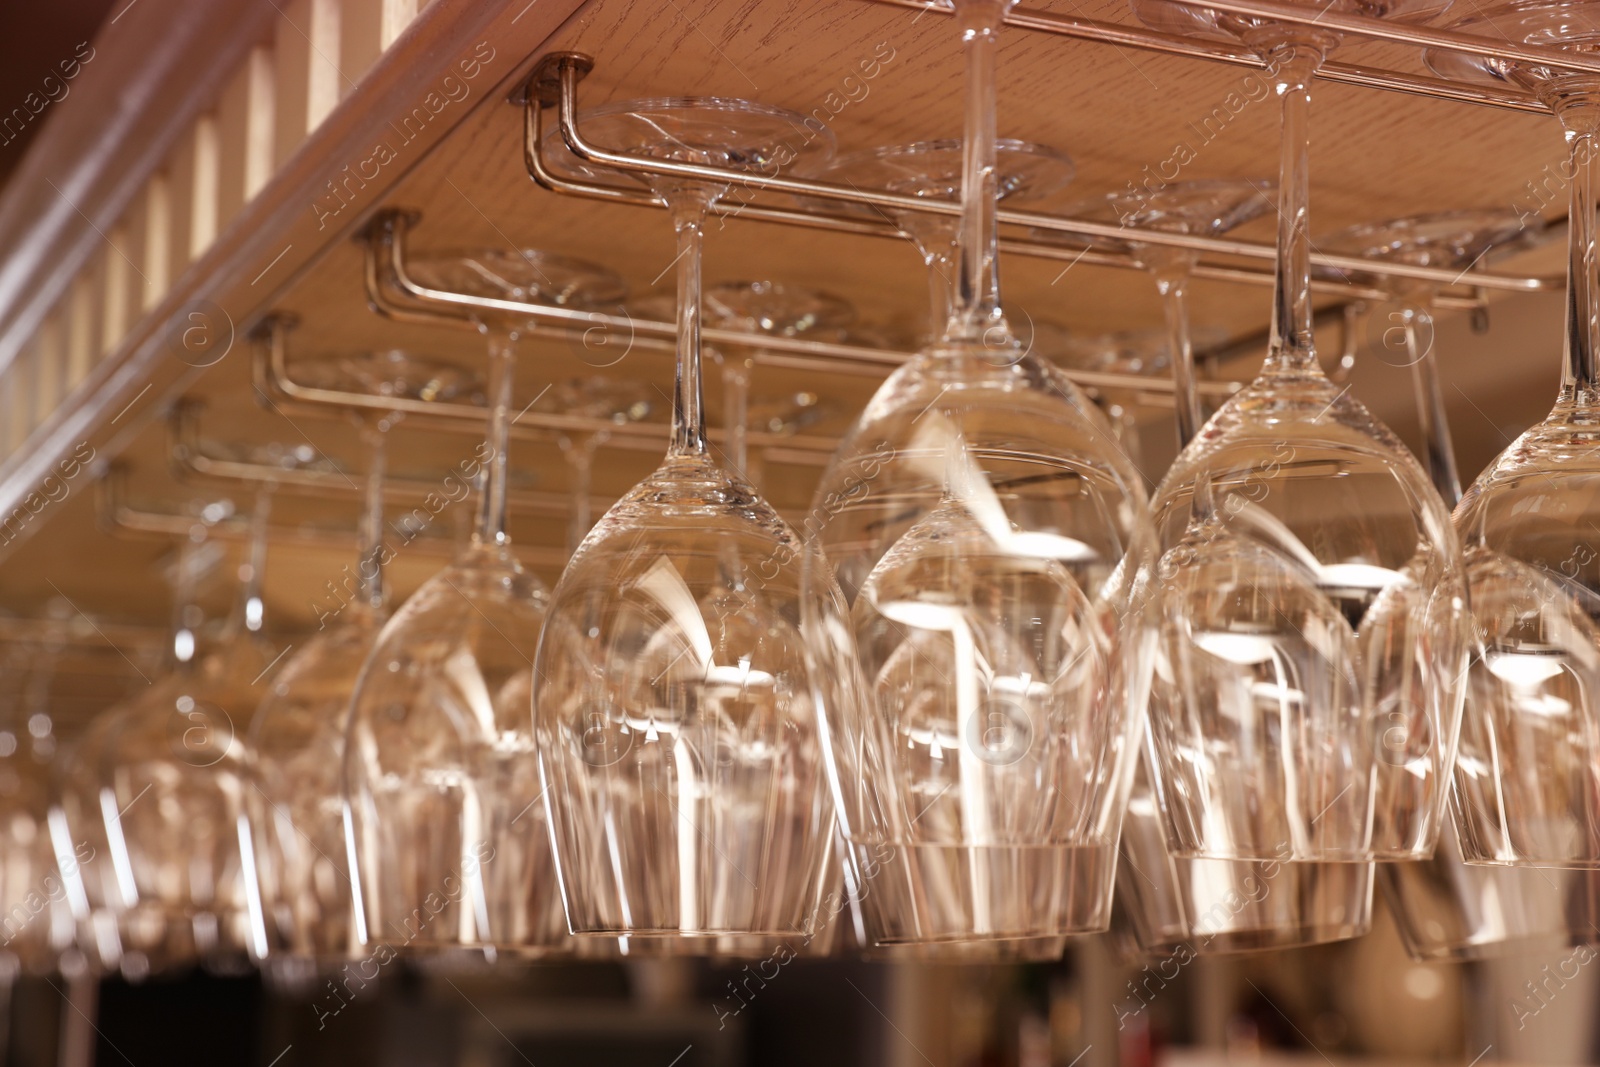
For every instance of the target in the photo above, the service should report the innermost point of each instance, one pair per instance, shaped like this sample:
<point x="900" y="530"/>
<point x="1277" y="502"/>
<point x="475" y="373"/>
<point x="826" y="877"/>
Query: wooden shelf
<point x="243" y="194"/>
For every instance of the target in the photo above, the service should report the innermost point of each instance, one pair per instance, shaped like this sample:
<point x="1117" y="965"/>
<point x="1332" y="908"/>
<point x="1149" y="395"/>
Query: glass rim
<point x="726" y="104"/>
<point x="953" y="144"/>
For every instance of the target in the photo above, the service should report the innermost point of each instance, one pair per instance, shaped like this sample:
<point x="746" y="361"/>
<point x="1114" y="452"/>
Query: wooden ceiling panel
<point x="1120" y="113"/>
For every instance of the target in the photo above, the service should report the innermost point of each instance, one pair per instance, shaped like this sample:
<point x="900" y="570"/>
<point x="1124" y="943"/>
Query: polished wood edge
<point x="285" y="229"/>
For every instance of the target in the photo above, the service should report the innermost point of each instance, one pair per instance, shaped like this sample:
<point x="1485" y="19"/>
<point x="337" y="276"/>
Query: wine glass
<point x="1208" y="905"/>
<point x="1121" y="352"/>
<point x="614" y="400"/>
<point x="679" y="746"/>
<point x="79" y="841"/>
<point x="35" y="922"/>
<point x="773" y="309"/>
<point x="1445" y="908"/>
<point x="1138" y="351"/>
<point x="31" y="894"/>
<point x="1527" y="780"/>
<point x="441" y="809"/>
<point x="170" y="773"/>
<point x="1453" y="240"/>
<point x="765" y="308"/>
<point x="991" y="540"/>
<point x="932" y="170"/>
<point x="1313" y="632"/>
<point x="294" y="812"/>
<point x="78" y="833"/>
<point x="1201" y="208"/>
<point x="783" y="414"/>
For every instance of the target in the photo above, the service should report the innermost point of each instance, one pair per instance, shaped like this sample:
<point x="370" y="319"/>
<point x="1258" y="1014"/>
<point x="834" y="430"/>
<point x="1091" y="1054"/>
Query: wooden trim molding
<point x="304" y="209"/>
<point x="139" y="87"/>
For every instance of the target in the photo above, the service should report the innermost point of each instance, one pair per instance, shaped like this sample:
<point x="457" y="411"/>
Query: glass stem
<point x="580" y="458"/>
<point x="934" y="237"/>
<point x="184" y="609"/>
<point x="941" y="290"/>
<point x="1172" y="282"/>
<point x="1430" y="410"/>
<point x="250" y="610"/>
<point x="369" y="570"/>
<point x="688" y="397"/>
<point x="1579" y="111"/>
<point x="1292" y="348"/>
<point x="491" y="528"/>
<point x="976" y="308"/>
<point x="736" y="414"/>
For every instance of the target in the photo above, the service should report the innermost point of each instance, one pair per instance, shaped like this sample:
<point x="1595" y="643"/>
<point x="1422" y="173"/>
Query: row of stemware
<point x="956" y="663"/>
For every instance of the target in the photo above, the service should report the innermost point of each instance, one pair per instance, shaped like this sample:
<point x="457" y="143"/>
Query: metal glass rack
<point x="554" y="86"/>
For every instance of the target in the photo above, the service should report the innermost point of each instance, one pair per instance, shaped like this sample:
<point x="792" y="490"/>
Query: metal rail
<point x="1395" y="31"/>
<point x="554" y="83"/>
<point x="190" y="461"/>
<point x="81" y="633"/>
<point x="388" y="251"/>
<point x="1348" y="74"/>
<point x="272" y="377"/>
<point x="534" y="135"/>
<point x="120" y="519"/>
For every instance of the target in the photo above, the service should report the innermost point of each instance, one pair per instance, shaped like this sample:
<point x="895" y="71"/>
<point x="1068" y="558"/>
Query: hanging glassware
<point x="441" y="809"/>
<point x="170" y="774"/>
<point x="36" y="922"/>
<point x="932" y="170"/>
<point x="614" y="400"/>
<point x="1445" y="908"/>
<point x="1311" y="602"/>
<point x="1528" y="781"/>
<point x="991" y="541"/>
<point x="77" y="831"/>
<point x="294" y="808"/>
<point x="764" y="308"/>
<point x="678" y="744"/>
<point x="1454" y="240"/>
<point x="1204" y="905"/>
<point x="774" y="310"/>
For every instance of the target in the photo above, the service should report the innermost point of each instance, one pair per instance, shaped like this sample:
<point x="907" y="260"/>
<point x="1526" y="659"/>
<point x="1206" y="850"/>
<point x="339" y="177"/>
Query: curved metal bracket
<point x="271" y="377"/>
<point x="567" y="67"/>
<point x="388" y="253"/>
<point x="1123" y="35"/>
<point x="190" y="462"/>
<point x="120" y="519"/>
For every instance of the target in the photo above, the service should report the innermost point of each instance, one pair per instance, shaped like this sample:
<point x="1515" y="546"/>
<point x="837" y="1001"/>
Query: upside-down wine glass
<point x="679" y="746"/>
<point x="765" y="308"/>
<point x="1205" y="904"/>
<point x="1311" y="603"/>
<point x="1137" y="351"/>
<point x="1452" y="240"/>
<point x="36" y="919"/>
<point x="78" y="834"/>
<point x="991" y="541"/>
<point x="35" y="922"/>
<point x="294" y="807"/>
<point x="932" y="170"/>
<point x="775" y="310"/>
<point x="1202" y="208"/>
<point x="440" y="802"/>
<point x="173" y="768"/>
<point x="614" y="400"/>
<point x="1446" y="908"/>
<point x="1528" y="777"/>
